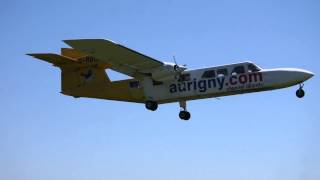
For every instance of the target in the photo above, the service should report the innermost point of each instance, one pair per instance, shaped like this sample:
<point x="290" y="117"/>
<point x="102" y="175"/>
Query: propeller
<point x="176" y="67"/>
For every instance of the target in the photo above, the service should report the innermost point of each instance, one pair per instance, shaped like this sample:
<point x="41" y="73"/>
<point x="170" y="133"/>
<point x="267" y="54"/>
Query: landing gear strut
<point x="300" y="92"/>
<point x="151" y="105"/>
<point x="184" y="114"/>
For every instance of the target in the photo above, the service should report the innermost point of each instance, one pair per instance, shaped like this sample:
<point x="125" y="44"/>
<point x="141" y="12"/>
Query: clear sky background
<point x="267" y="135"/>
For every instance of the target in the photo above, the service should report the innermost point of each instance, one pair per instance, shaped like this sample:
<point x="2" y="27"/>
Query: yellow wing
<point x="122" y="59"/>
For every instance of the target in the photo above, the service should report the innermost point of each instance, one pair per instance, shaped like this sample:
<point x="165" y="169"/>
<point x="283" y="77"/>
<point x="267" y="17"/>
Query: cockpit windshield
<point x="253" y="68"/>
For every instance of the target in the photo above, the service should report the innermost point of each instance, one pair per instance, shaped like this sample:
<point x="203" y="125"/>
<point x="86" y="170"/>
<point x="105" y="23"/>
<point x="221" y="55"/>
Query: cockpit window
<point x="253" y="68"/>
<point x="238" y="70"/>
<point x="209" y="74"/>
<point x="222" y="72"/>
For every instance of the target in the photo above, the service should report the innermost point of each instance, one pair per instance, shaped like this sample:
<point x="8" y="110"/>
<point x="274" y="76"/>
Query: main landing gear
<point x="300" y="92"/>
<point x="151" y="105"/>
<point x="184" y="114"/>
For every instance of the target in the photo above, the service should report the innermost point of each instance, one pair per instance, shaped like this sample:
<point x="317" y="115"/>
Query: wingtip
<point x="30" y="54"/>
<point x="68" y="41"/>
<point x="73" y="41"/>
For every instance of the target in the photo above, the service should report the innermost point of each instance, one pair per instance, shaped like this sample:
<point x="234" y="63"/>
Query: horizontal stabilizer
<point x="55" y="59"/>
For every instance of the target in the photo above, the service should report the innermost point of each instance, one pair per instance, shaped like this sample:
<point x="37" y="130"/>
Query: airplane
<point x="83" y="74"/>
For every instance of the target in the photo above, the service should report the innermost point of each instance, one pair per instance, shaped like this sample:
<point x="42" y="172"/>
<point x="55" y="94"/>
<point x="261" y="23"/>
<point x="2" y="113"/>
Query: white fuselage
<point x="196" y="86"/>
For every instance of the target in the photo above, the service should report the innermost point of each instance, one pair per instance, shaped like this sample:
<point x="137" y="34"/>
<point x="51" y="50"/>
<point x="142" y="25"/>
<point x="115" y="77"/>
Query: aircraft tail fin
<point x="79" y="80"/>
<point x="76" y="76"/>
<point x="84" y="76"/>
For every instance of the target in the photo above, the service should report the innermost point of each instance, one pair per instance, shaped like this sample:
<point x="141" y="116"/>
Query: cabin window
<point x="253" y="68"/>
<point x="209" y="74"/>
<point x="238" y="70"/>
<point x="222" y="72"/>
<point x="156" y="83"/>
<point x="185" y="77"/>
<point x="134" y="84"/>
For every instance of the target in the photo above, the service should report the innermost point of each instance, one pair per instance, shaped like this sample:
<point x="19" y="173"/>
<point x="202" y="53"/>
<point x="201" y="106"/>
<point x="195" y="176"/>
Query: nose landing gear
<point x="184" y="115"/>
<point x="300" y="92"/>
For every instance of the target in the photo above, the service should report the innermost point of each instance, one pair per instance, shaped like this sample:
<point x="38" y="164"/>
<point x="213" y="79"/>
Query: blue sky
<point x="268" y="135"/>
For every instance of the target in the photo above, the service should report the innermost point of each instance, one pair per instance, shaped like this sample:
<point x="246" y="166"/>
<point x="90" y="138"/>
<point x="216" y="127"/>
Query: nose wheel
<point x="184" y="114"/>
<point x="300" y="92"/>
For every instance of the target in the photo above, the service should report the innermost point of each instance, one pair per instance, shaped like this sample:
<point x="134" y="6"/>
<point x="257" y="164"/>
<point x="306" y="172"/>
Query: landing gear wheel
<point x="184" y="115"/>
<point x="300" y="93"/>
<point x="151" y="105"/>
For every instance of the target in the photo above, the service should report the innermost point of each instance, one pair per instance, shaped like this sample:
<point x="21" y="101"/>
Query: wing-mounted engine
<point x="167" y="72"/>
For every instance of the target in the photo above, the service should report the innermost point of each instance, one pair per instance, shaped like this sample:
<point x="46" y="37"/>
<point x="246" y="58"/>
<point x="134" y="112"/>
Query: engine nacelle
<point x="167" y="72"/>
<point x="164" y="75"/>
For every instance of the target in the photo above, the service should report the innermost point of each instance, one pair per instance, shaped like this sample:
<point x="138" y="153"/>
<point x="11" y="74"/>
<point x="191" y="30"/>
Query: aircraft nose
<point x="290" y="76"/>
<point x="305" y="75"/>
